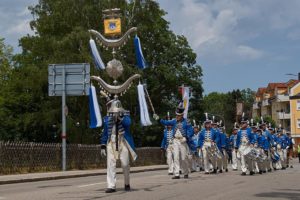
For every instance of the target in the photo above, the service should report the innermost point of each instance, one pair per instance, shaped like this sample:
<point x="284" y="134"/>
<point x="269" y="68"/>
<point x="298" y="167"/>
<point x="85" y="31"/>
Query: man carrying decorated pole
<point x="182" y="134"/>
<point x="167" y="145"/>
<point x="207" y="139"/>
<point x="117" y="144"/>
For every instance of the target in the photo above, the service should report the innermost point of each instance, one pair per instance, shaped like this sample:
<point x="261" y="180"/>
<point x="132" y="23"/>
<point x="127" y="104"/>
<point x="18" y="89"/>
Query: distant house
<point x="279" y="101"/>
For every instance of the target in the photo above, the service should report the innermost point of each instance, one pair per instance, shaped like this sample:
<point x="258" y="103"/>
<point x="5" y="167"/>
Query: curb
<point x="27" y="180"/>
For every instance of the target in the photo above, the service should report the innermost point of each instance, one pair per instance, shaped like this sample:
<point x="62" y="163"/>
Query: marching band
<point x="254" y="148"/>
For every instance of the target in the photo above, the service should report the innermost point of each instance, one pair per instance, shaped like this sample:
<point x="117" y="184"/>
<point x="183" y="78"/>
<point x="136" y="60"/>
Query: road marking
<point x="92" y="184"/>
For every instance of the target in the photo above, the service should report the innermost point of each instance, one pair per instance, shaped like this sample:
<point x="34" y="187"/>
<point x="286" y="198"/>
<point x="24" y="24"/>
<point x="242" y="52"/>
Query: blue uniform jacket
<point x="223" y="138"/>
<point x="268" y="137"/>
<point x="187" y="130"/>
<point x="248" y="135"/>
<point x="262" y="142"/>
<point x="233" y="139"/>
<point x="165" y="140"/>
<point x="214" y="136"/>
<point x="125" y="124"/>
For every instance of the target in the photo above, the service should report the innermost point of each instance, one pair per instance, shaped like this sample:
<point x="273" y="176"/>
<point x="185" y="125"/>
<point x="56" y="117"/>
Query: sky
<point x="239" y="44"/>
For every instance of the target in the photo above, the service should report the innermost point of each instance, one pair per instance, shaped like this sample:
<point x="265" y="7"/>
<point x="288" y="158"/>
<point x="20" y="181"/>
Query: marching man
<point x="117" y="144"/>
<point x="182" y="134"/>
<point x="167" y="145"/>
<point x="224" y="146"/>
<point x="197" y="155"/>
<point x="244" y="141"/>
<point x="233" y="139"/>
<point x="208" y="137"/>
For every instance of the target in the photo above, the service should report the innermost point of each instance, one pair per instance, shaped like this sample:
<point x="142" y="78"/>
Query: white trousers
<point x="112" y="164"/>
<point x="170" y="160"/>
<point x="245" y="162"/>
<point x="234" y="160"/>
<point x="225" y="160"/>
<point x="181" y="160"/>
<point x="207" y="157"/>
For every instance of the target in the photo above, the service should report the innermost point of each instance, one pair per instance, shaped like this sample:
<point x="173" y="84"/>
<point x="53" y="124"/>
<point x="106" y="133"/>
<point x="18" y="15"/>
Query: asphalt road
<point x="278" y="185"/>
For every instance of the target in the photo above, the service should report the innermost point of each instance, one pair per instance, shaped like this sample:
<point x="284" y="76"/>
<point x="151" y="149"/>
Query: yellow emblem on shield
<point x="112" y="26"/>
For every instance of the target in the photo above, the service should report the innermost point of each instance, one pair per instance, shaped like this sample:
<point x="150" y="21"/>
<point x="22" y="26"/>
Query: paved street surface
<point x="283" y="184"/>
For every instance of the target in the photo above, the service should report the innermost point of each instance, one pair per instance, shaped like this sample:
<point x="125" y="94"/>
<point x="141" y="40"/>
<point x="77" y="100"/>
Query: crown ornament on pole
<point x="114" y="68"/>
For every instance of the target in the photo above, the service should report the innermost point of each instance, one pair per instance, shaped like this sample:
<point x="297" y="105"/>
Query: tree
<point x="62" y="36"/>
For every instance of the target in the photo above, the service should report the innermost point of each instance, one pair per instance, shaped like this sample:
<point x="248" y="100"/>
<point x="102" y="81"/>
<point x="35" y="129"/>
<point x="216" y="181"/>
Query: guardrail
<point x="25" y="157"/>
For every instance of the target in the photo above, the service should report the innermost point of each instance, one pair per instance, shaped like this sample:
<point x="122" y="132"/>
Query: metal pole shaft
<point x="63" y="134"/>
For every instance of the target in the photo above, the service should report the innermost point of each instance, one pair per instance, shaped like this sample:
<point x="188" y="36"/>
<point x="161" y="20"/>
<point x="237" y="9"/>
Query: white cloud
<point x="221" y="32"/>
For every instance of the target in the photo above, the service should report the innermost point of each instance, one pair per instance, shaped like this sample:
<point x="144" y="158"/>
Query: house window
<point x="298" y="123"/>
<point x="298" y="104"/>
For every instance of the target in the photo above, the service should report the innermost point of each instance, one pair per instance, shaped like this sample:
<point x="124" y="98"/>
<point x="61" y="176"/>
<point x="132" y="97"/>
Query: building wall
<point x="295" y="114"/>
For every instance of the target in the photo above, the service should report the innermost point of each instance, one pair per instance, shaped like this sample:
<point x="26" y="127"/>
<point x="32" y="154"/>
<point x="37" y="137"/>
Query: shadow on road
<point x="286" y="195"/>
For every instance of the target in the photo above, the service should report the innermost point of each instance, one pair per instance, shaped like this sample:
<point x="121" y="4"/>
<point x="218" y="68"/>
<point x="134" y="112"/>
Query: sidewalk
<point x="22" y="178"/>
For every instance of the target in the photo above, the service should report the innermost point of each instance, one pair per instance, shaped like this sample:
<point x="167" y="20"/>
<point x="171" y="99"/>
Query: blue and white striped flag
<point x="141" y="62"/>
<point x="96" y="56"/>
<point x="95" y="115"/>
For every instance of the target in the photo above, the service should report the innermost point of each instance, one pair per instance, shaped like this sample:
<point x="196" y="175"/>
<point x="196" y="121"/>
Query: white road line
<point x="92" y="184"/>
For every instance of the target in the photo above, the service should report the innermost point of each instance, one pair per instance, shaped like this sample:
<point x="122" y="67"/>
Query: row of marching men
<point x="188" y="149"/>
<point x="254" y="147"/>
<point x="259" y="147"/>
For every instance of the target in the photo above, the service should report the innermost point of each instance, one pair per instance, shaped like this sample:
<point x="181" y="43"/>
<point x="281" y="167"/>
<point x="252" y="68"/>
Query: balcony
<point x="266" y="102"/>
<point x="283" y="115"/>
<point x="256" y="105"/>
<point x="282" y="98"/>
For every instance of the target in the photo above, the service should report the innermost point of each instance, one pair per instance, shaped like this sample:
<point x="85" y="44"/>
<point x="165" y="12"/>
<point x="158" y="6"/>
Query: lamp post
<point x="290" y="74"/>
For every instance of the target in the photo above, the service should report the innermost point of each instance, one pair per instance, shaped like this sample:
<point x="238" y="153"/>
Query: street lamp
<point x="78" y="126"/>
<point x="290" y="74"/>
<point x="54" y="128"/>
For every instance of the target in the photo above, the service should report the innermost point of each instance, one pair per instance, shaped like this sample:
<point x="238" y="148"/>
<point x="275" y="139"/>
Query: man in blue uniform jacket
<point x="183" y="132"/>
<point x="167" y="145"/>
<point x="207" y="141"/>
<point x="244" y="142"/>
<point x="117" y="144"/>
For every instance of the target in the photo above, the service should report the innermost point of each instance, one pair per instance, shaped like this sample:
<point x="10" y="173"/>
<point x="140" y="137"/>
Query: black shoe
<point x="215" y="171"/>
<point x="234" y="169"/>
<point x="275" y="169"/>
<point x="252" y="173"/>
<point x="291" y="166"/>
<point x="226" y="170"/>
<point x="283" y="168"/>
<point x="260" y="172"/>
<point x="180" y="172"/>
<point x="220" y="171"/>
<point x="243" y="174"/>
<point x="110" y="190"/>
<point x="206" y="173"/>
<point x="127" y="187"/>
<point x="186" y="176"/>
<point x="269" y="170"/>
<point x="287" y="166"/>
<point x="264" y="171"/>
<point x="201" y="169"/>
<point x="170" y="173"/>
<point x="176" y="177"/>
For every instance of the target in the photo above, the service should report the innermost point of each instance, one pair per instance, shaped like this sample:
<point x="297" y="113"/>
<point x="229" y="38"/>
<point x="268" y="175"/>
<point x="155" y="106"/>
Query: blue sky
<point x="240" y="44"/>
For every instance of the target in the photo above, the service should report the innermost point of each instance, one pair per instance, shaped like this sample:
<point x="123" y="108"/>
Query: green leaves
<point x="61" y="28"/>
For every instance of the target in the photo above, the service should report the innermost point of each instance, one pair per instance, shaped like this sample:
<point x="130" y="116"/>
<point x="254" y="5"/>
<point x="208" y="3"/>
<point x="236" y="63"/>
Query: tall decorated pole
<point x="116" y="140"/>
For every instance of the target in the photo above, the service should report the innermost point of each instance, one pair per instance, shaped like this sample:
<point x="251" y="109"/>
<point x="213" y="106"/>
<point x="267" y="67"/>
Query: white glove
<point x="103" y="153"/>
<point x="155" y="116"/>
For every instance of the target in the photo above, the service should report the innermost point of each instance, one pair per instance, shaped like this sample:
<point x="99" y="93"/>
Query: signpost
<point x="70" y="80"/>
